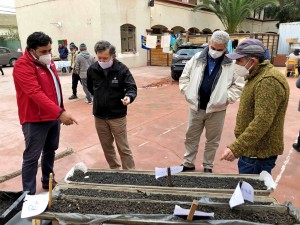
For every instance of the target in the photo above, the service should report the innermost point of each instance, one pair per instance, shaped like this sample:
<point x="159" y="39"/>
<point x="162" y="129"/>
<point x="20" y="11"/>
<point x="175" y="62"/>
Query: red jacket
<point x="36" y="94"/>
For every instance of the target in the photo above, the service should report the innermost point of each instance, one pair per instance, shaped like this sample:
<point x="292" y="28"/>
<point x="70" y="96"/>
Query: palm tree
<point x="233" y="12"/>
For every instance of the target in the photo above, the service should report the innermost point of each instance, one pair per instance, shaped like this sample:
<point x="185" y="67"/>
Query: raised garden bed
<point x="10" y="204"/>
<point x="149" y="194"/>
<point x="259" y="214"/>
<point x="187" y="181"/>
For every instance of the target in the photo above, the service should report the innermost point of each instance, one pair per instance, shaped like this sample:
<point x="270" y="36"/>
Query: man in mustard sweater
<point x="263" y="104"/>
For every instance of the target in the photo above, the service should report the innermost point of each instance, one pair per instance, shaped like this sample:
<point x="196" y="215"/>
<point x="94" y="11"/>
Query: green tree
<point x="233" y="12"/>
<point x="286" y="11"/>
<point x="11" y="35"/>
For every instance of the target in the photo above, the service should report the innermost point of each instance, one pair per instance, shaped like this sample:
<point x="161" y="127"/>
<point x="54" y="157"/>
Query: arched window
<point x="128" y="38"/>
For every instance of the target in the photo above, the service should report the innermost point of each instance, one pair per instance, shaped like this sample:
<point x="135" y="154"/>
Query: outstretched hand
<point x="67" y="119"/>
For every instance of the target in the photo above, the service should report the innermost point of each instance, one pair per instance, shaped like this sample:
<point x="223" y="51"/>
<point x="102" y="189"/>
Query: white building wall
<point x="173" y="15"/>
<point x="114" y="14"/>
<point x="80" y="21"/>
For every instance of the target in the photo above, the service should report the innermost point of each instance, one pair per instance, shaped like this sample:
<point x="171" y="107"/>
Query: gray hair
<point x="101" y="46"/>
<point x="220" y="37"/>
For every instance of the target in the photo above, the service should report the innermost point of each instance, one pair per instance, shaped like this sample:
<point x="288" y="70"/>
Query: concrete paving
<point x="157" y="122"/>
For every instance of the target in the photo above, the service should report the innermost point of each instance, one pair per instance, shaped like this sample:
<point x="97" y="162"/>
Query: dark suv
<point x="183" y="54"/>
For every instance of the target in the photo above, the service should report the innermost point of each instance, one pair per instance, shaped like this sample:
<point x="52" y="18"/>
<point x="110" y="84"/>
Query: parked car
<point x="183" y="54"/>
<point x="8" y="56"/>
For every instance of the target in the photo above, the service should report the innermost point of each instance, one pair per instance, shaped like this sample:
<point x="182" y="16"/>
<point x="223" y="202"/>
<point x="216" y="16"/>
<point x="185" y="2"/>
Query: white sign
<point x="165" y="41"/>
<point x="237" y="197"/>
<point x="151" y="41"/>
<point x="34" y="205"/>
<point x="247" y="191"/>
<point x="163" y="172"/>
<point x="242" y="193"/>
<point x="268" y="180"/>
<point x="178" y="211"/>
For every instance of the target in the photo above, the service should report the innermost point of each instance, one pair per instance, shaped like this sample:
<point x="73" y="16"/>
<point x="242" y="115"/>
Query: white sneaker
<point x="88" y="102"/>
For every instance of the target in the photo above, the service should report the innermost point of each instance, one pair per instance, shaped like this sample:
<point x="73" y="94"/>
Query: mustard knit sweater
<point x="260" y="119"/>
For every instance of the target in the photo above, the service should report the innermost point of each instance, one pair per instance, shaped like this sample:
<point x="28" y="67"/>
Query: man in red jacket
<point x="40" y="109"/>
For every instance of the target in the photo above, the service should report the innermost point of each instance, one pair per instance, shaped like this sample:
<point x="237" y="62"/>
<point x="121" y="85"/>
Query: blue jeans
<point x="249" y="165"/>
<point x="41" y="138"/>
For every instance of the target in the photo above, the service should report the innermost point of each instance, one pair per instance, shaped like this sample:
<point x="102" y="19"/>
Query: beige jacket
<point x="226" y="89"/>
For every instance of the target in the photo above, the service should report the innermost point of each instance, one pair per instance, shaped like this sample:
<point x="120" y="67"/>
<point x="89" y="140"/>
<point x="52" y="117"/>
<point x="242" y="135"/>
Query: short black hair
<point x="101" y="46"/>
<point x="37" y="39"/>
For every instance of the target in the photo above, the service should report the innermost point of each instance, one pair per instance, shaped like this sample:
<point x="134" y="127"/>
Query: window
<point x="128" y="38"/>
<point x="3" y="51"/>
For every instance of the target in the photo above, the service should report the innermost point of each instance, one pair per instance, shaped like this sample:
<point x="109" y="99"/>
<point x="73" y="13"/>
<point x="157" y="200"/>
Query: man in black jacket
<point x="113" y="88"/>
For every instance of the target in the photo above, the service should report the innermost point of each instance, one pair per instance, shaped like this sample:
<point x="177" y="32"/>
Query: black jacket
<point x="109" y="90"/>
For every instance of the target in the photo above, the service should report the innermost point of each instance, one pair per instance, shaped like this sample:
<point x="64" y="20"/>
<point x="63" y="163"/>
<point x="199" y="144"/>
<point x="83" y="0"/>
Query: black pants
<point x="75" y="79"/>
<point x="1" y="70"/>
<point x="40" y="138"/>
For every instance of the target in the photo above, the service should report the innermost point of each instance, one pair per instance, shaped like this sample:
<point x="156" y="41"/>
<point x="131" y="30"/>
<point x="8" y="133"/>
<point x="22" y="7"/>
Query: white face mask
<point x="241" y="70"/>
<point x="46" y="59"/>
<point x="215" y="54"/>
<point x="106" y="65"/>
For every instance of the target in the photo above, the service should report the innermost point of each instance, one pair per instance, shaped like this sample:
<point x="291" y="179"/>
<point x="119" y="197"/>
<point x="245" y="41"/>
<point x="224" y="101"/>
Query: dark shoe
<point x="296" y="147"/>
<point x="185" y="168"/>
<point x="207" y="170"/>
<point x="73" y="97"/>
<point x="46" y="185"/>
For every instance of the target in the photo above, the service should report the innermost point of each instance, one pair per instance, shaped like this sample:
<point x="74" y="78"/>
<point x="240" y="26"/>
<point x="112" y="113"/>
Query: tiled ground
<point x="157" y="121"/>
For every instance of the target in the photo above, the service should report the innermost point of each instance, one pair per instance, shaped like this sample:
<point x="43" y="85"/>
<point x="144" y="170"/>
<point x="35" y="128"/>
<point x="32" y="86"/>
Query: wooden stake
<point x="192" y="210"/>
<point x="170" y="183"/>
<point x="50" y="190"/>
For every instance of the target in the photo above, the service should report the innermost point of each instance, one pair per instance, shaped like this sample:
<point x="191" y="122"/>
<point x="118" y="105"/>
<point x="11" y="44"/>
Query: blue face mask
<point x="105" y="65"/>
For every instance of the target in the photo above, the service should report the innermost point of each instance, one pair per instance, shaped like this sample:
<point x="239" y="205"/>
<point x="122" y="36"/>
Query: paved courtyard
<point x="157" y="121"/>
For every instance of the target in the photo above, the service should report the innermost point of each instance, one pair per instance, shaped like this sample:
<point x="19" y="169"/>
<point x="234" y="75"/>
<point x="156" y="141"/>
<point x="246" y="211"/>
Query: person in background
<point x="63" y="52"/>
<point x="113" y="87"/>
<point x="179" y="41"/>
<point x="41" y="109"/>
<point x="296" y="145"/>
<point x="82" y="62"/>
<point x="75" y="76"/>
<point x="296" y="56"/>
<point x="209" y="84"/>
<point x="260" y="119"/>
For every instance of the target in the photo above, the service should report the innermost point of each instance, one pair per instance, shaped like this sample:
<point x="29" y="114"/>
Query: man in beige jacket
<point x="209" y="85"/>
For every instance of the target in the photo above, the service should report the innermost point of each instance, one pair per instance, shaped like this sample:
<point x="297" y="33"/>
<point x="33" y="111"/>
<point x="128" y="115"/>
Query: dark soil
<point x="149" y="180"/>
<point x="104" y="207"/>
<point x="142" y="195"/>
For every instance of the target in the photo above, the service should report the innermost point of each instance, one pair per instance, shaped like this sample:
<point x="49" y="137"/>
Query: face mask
<point x="106" y="65"/>
<point x="215" y="54"/>
<point x="46" y="59"/>
<point x="241" y="70"/>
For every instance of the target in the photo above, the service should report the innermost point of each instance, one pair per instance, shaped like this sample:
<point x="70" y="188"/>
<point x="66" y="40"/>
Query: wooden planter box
<point x="124" y="211"/>
<point x="94" y="191"/>
<point x="13" y="201"/>
<point x="133" y="179"/>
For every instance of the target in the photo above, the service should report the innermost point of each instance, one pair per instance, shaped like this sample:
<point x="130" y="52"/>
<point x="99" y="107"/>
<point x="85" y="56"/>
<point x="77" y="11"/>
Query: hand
<point x="67" y="119"/>
<point x="228" y="155"/>
<point x="126" y="100"/>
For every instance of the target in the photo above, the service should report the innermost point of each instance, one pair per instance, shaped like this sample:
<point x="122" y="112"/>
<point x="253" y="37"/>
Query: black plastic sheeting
<point x="12" y="210"/>
<point x="76" y="218"/>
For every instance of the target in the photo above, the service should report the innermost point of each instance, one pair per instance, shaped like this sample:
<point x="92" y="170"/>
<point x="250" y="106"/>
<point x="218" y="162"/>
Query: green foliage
<point x="287" y="11"/>
<point x="11" y="35"/>
<point x="233" y="12"/>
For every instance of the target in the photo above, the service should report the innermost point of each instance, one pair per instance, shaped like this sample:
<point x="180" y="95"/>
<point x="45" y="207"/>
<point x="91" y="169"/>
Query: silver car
<point x="8" y="56"/>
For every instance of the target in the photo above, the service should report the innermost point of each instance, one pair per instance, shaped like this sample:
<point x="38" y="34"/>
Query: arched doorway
<point x="207" y="31"/>
<point x="178" y="30"/>
<point x="158" y="29"/>
<point x="194" y="30"/>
